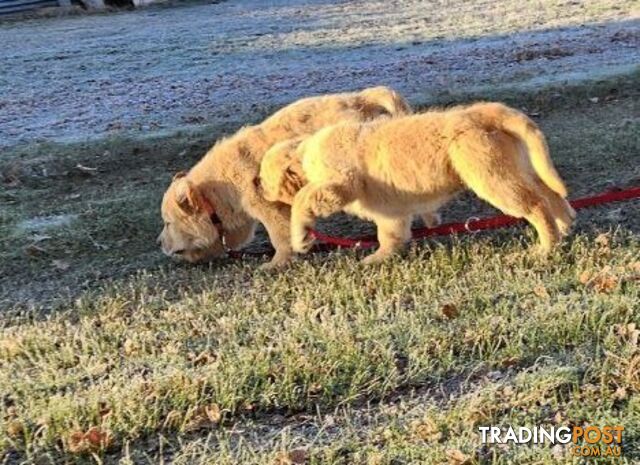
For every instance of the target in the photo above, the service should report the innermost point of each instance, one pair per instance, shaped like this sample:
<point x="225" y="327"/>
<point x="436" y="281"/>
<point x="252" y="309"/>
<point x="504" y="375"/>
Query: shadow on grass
<point x="112" y="188"/>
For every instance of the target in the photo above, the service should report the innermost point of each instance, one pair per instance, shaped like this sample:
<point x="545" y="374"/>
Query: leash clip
<point x="467" y="225"/>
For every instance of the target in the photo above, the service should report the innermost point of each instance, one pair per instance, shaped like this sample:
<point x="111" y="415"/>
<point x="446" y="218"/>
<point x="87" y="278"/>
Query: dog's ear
<point x="294" y="178"/>
<point x="188" y="197"/>
<point x="179" y="174"/>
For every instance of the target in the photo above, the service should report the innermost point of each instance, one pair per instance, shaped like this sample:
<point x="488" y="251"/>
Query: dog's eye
<point x="179" y="251"/>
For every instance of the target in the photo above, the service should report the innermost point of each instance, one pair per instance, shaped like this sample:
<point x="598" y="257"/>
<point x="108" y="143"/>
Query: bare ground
<point x="144" y="71"/>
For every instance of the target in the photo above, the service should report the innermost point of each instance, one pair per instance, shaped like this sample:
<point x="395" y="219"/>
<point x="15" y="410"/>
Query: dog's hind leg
<point x="487" y="163"/>
<point x="563" y="213"/>
<point x="315" y="201"/>
<point x="393" y="234"/>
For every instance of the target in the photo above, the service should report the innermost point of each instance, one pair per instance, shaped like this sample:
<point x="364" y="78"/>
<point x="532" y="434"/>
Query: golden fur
<point x="389" y="169"/>
<point x="223" y="185"/>
<point x="281" y="177"/>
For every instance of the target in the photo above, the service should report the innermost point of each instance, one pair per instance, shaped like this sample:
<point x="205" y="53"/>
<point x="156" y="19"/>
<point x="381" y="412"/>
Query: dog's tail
<point x="391" y="101"/>
<point x="517" y="124"/>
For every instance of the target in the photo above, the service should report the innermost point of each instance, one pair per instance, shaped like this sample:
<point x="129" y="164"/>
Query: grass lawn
<point x="111" y="354"/>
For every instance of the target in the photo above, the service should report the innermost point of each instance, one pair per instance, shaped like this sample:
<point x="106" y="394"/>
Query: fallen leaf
<point x="94" y="439"/>
<point x="14" y="429"/>
<point x="585" y="277"/>
<point x="605" y="283"/>
<point x="214" y="413"/>
<point x="450" y="311"/>
<point x="203" y="358"/>
<point x="34" y="250"/>
<point x="456" y="457"/>
<point x="594" y="99"/>
<point x="203" y="417"/>
<point x="426" y="430"/>
<point x="298" y="456"/>
<point x="294" y="457"/>
<point x="510" y="362"/>
<point x="541" y="291"/>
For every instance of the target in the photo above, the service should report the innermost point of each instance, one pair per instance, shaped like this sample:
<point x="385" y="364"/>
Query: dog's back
<point x="310" y="114"/>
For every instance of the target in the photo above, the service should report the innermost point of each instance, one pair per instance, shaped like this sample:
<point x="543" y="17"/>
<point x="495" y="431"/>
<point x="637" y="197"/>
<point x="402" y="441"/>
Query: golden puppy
<point x="217" y="203"/>
<point x="389" y="169"/>
<point x="281" y="177"/>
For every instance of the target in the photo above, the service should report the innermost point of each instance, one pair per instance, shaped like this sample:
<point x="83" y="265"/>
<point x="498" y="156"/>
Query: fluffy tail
<point x="517" y="124"/>
<point x="387" y="98"/>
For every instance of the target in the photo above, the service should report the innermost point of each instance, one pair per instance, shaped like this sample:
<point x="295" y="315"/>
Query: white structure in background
<point x="17" y="6"/>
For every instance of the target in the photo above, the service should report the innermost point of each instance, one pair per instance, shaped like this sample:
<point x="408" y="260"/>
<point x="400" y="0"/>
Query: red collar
<point x="208" y="207"/>
<point x="211" y="213"/>
<point x="215" y="219"/>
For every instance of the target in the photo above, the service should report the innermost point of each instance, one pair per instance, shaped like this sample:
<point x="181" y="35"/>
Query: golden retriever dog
<point x="216" y="204"/>
<point x="281" y="177"/>
<point x="389" y="169"/>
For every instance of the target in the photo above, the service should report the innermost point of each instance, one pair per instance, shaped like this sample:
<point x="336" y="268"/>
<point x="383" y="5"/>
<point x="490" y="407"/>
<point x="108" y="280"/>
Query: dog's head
<point x="281" y="174"/>
<point x="189" y="232"/>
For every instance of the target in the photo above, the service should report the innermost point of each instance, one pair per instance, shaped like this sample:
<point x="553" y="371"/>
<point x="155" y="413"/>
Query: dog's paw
<point x="302" y="241"/>
<point x="273" y="265"/>
<point x="375" y="258"/>
<point x="564" y="229"/>
<point x="278" y="262"/>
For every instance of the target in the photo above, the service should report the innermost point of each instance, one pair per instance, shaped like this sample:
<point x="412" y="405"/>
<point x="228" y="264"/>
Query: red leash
<point x="472" y="225"/>
<point x="477" y="224"/>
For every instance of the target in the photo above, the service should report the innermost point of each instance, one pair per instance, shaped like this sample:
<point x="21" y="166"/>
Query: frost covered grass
<point x="98" y="75"/>
<point x="109" y="354"/>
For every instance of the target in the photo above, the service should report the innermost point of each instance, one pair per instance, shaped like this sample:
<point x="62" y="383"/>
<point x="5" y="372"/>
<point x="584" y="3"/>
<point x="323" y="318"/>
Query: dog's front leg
<point x="302" y="220"/>
<point x="276" y="221"/>
<point x="393" y="234"/>
<point x="315" y="201"/>
<point x="276" y="218"/>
